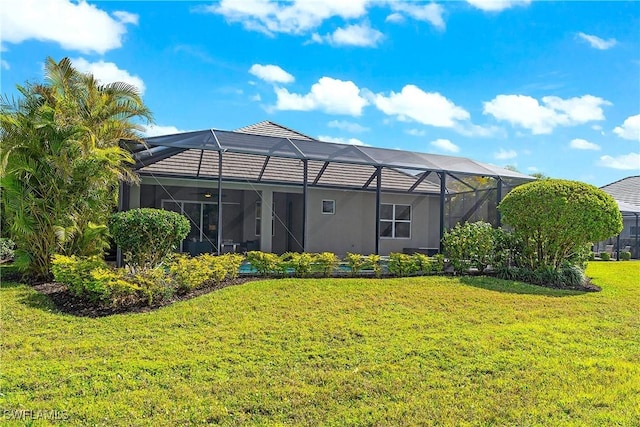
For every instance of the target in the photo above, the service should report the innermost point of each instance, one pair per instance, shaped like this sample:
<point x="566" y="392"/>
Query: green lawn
<point x="414" y="351"/>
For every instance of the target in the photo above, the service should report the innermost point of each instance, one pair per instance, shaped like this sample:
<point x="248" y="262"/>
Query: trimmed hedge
<point x="147" y="236"/>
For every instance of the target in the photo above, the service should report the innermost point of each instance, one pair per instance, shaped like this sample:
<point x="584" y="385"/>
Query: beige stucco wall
<point x="352" y="227"/>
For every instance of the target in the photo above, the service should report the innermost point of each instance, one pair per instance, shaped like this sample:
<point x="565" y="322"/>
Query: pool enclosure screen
<point x="226" y="168"/>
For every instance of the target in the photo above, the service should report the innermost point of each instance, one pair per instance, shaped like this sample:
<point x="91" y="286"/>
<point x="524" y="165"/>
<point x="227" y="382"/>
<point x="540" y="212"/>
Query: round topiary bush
<point x="146" y="236"/>
<point x="557" y="218"/>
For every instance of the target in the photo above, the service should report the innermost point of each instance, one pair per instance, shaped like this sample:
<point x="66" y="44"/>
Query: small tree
<point x="556" y="218"/>
<point x="146" y="236"/>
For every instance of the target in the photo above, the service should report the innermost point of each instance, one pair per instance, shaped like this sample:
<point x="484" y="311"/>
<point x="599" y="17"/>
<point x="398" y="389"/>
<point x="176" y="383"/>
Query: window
<point x="259" y="218"/>
<point x="633" y="231"/>
<point x="395" y="221"/>
<point x="328" y="207"/>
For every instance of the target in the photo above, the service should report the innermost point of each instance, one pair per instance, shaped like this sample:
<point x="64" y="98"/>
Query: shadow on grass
<point x="39" y="301"/>
<point x="515" y="287"/>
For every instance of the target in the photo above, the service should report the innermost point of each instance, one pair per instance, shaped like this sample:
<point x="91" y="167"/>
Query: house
<point x="626" y="193"/>
<point x="271" y="188"/>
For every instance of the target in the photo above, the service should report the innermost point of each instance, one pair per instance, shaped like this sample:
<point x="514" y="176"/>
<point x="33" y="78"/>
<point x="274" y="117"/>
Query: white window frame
<point x="333" y="207"/>
<point x="395" y="221"/>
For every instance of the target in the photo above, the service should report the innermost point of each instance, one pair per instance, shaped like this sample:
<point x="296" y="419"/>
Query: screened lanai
<point x="401" y="199"/>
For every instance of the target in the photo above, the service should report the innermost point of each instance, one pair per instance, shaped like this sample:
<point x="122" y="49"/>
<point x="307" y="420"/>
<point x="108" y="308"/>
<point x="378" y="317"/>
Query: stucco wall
<point x="352" y="227"/>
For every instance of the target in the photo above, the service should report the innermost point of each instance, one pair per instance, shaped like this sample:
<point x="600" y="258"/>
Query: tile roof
<point x="268" y="128"/>
<point x="626" y="190"/>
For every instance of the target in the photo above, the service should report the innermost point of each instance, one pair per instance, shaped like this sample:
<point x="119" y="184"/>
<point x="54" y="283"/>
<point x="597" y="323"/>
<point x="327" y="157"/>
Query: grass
<point x="414" y="351"/>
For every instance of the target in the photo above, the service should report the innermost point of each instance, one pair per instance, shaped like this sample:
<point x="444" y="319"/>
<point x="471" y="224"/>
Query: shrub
<point x="556" y="217"/>
<point x="265" y="263"/>
<point x="231" y="263"/>
<point x="592" y="256"/>
<point x="625" y="256"/>
<point x="372" y="261"/>
<point x="325" y="263"/>
<point x="300" y="263"/>
<point x="604" y="256"/>
<point x="91" y="278"/>
<point x="189" y="273"/>
<point x="437" y="264"/>
<point x="402" y="265"/>
<point x="356" y="263"/>
<point x="6" y="249"/>
<point x="146" y="236"/>
<point x="571" y="276"/>
<point x="422" y="262"/>
<point x="469" y="245"/>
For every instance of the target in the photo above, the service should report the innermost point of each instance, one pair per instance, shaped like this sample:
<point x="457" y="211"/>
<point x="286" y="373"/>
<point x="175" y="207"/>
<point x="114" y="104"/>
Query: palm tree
<point x="61" y="162"/>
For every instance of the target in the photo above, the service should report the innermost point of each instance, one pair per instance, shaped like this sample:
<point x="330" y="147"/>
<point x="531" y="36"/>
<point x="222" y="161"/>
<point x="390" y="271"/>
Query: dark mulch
<point x="68" y="303"/>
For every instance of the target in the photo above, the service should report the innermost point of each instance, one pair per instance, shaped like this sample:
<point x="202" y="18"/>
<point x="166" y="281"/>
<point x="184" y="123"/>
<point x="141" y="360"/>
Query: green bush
<point x="231" y="263"/>
<point x="423" y="263"/>
<point x="6" y="249"/>
<point x="625" y="255"/>
<point x="604" y="256"/>
<point x="299" y="263"/>
<point x="402" y="265"/>
<point x="592" y="256"/>
<point x="325" y="263"/>
<point x="469" y="245"/>
<point x="91" y="278"/>
<point x="555" y="218"/>
<point x="266" y="263"/>
<point x="356" y="263"/>
<point x="372" y="262"/>
<point x="190" y="273"/>
<point x="146" y="236"/>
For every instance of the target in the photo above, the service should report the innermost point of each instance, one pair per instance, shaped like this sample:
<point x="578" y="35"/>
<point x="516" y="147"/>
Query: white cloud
<point x="332" y="96"/>
<point x="256" y="98"/>
<point x="347" y="126"/>
<point x="108" y="72"/>
<point x="542" y="118"/>
<point x="497" y="5"/>
<point x="445" y="145"/>
<point x="126" y="17"/>
<point x="4" y="64"/>
<point x="503" y="154"/>
<point x="428" y="108"/>
<point x="597" y="42"/>
<point x="157" y="130"/>
<point x="471" y="130"/>
<point x="583" y="144"/>
<point x="416" y="132"/>
<point x="295" y="17"/>
<point x="629" y="161"/>
<point x="349" y="141"/>
<point x="271" y="73"/>
<point x="431" y="12"/>
<point x="361" y="35"/>
<point x="630" y="129"/>
<point x="532" y="169"/>
<point x="395" y="18"/>
<point x="73" y="25"/>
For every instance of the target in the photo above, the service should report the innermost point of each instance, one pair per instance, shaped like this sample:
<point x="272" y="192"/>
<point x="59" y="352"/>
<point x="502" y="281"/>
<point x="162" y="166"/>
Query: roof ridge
<point x="264" y="122"/>
<point x="620" y="180"/>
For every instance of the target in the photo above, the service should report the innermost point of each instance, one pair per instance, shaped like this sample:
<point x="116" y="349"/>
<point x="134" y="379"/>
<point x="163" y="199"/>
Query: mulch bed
<point x="68" y="303"/>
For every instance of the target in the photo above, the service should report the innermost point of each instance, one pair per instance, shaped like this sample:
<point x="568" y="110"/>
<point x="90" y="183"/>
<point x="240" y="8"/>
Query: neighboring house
<point x="282" y="191"/>
<point x="626" y="193"/>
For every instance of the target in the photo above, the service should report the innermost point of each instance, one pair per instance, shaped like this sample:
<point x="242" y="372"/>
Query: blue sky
<point x="551" y="87"/>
